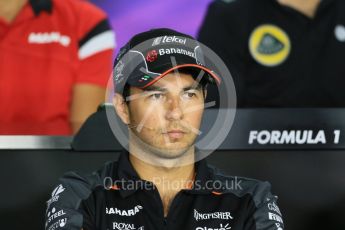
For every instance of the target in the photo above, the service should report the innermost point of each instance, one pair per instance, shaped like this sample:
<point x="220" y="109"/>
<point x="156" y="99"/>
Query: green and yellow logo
<point x="269" y="45"/>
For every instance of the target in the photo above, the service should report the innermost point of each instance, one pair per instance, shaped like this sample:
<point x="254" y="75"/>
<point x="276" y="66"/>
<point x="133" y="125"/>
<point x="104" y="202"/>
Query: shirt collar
<point x="125" y="174"/>
<point x="323" y="3"/>
<point x="41" y="5"/>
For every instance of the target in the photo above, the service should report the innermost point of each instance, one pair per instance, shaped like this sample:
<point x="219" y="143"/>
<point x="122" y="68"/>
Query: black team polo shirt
<point x="105" y="200"/>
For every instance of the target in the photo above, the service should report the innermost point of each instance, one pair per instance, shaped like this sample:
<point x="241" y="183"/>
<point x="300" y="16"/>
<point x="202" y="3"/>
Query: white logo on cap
<point x="157" y="41"/>
<point x="169" y="39"/>
<point x="118" y="71"/>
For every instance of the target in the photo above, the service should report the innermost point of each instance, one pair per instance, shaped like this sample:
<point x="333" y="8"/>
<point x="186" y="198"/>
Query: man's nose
<point x="174" y="110"/>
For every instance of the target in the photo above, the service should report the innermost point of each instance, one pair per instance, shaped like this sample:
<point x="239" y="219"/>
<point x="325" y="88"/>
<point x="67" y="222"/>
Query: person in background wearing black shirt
<point x="282" y="53"/>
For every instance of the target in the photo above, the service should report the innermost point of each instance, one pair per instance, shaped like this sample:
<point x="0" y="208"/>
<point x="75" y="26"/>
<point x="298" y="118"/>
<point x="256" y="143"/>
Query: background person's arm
<point x="96" y="46"/>
<point x="85" y="100"/>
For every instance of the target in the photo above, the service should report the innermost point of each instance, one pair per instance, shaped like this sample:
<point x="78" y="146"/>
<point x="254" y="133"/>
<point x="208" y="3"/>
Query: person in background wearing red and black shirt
<point x="282" y="53"/>
<point x="55" y="62"/>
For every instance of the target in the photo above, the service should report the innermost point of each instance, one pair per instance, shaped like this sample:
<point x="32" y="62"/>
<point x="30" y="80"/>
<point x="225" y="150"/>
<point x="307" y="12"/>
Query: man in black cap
<point x="161" y="83"/>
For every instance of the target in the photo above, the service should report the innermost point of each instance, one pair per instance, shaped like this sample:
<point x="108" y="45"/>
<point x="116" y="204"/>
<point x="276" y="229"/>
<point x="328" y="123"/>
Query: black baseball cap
<point x="151" y="55"/>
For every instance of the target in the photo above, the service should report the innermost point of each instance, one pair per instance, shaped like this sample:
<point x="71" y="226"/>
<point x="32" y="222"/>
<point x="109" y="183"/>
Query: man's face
<point x="166" y="116"/>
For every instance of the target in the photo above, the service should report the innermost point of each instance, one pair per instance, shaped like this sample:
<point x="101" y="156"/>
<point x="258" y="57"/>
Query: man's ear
<point x="121" y="108"/>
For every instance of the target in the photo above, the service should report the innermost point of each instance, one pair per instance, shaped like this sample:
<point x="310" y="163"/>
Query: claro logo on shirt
<point x="49" y="37"/>
<point x="129" y="212"/>
<point x="269" y="45"/>
<point x="221" y="227"/>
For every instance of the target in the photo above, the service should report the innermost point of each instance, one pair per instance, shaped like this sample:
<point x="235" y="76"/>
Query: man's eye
<point x="156" y="96"/>
<point x="189" y="95"/>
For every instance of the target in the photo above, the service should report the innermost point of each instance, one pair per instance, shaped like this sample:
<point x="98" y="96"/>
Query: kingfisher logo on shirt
<point x="49" y="37"/>
<point x="269" y="45"/>
<point x="213" y="215"/>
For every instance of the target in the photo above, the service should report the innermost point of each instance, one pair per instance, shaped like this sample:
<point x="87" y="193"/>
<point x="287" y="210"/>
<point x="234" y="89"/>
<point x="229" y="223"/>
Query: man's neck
<point x="169" y="179"/>
<point x="154" y="173"/>
<point x="168" y="170"/>
<point x="9" y="9"/>
<point x="307" y="7"/>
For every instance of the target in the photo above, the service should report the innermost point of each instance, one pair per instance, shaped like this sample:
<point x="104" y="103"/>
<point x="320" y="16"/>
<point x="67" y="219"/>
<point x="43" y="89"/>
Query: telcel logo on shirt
<point x="269" y="45"/>
<point x="49" y="37"/>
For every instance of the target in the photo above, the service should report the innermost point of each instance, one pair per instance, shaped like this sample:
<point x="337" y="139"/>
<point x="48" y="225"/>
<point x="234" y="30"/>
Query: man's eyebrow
<point x="197" y="87"/>
<point x="155" y="88"/>
<point x="162" y="89"/>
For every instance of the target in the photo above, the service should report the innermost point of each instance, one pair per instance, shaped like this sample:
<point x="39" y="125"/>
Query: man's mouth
<point x="175" y="133"/>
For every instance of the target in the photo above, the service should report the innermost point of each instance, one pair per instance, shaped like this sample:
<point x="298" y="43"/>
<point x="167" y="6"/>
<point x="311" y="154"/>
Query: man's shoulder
<point x="90" y="180"/>
<point x="237" y="15"/>
<point x="241" y="186"/>
<point x="76" y="6"/>
<point x="72" y="187"/>
<point x="63" y="207"/>
<point x="77" y="16"/>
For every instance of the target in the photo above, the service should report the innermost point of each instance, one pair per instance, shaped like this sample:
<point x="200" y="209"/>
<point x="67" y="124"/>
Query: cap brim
<point x="208" y="71"/>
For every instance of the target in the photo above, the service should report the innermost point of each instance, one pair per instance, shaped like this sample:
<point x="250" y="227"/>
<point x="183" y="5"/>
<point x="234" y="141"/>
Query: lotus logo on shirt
<point x="269" y="45"/>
